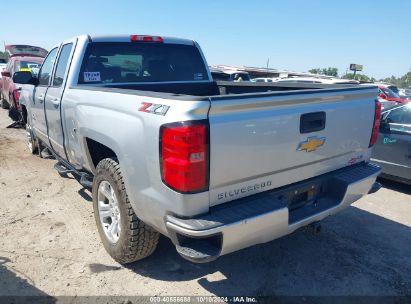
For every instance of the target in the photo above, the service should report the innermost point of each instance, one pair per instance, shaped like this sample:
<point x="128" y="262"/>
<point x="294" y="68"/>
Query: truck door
<point x="53" y="99"/>
<point x="37" y="104"/>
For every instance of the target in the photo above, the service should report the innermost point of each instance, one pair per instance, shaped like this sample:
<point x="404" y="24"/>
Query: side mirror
<point x="5" y="74"/>
<point x="25" y="77"/>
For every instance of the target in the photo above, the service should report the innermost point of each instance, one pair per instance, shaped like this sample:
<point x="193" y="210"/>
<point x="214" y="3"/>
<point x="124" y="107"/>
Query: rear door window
<point x="62" y="65"/>
<point x="141" y="62"/>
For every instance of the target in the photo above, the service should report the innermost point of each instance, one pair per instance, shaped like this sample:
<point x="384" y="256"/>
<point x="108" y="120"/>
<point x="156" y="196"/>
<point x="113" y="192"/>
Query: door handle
<point x="56" y="101"/>
<point x="40" y="98"/>
<point x="312" y="122"/>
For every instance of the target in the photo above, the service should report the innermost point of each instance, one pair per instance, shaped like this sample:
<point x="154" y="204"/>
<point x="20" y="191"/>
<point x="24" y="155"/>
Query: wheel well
<point x="24" y="112"/>
<point x="99" y="151"/>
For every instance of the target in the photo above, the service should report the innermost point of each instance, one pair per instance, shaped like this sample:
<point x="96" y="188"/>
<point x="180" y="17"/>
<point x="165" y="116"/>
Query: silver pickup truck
<point x="214" y="166"/>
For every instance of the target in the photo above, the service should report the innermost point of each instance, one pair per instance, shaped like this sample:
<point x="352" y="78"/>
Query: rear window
<point x="141" y="62"/>
<point x="389" y="93"/>
<point x="394" y="89"/>
<point x="28" y="66"/>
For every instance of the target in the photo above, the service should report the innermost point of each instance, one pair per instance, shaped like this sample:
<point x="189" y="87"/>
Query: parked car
<point x="140" y="120"/>
<point x="262" y="79"/>
<point x="405" y="93"/>
<point x="392" y="150"/>
<point x="317" y="80"/>
<point x="22" y="57"/>
<point x="389" y="98"/>
<point x="3" y="64"/>
<point x="229" y="75"/>
<point x="392" y="88"/>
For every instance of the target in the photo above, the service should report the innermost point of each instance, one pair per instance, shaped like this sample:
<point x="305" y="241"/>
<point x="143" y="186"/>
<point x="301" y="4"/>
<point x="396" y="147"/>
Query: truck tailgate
<point x="260" y="142"/>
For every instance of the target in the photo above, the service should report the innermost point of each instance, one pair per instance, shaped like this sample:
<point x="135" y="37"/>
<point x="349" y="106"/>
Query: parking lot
<point x="49" y="245"/>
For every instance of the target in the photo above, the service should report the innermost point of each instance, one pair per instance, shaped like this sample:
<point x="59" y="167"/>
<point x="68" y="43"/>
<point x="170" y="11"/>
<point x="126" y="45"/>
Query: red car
<point x="22" y="58"/>
<point x="387" y="95"/>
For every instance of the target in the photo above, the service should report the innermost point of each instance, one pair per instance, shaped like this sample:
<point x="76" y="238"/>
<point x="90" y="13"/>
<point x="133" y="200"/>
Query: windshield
<point x="141" y="62"/>
<point x="394" y="89"/>
<point x="389" y="93"/>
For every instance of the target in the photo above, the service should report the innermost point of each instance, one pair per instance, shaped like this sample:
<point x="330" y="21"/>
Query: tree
<point x="325" y="71"/>
<point x="315" y="71"/>
<point x="360" y="77"/>
<point x="3" y="55"/>
<point x="401" y="82"/>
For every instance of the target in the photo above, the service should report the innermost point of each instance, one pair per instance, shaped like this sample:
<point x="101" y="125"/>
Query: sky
<point x="292" y="34"/>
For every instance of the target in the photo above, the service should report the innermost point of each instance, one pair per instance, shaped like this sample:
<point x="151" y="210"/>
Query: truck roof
<point x="127" y="38"/>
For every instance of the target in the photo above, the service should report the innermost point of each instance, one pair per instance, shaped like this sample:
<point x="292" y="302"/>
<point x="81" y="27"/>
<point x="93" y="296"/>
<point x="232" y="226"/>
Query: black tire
<point x="136" y="239"/>
<point x="4" y="103"/>
<point x="24" y="114"/>
<point x="14" y="113"/>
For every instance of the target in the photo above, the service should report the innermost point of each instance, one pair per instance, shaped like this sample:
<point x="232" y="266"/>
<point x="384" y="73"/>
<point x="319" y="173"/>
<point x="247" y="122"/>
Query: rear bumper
<point x="264" y="217"/>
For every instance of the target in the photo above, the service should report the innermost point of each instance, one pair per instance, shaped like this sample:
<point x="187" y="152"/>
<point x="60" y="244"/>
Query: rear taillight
<point x="184" y="156"/>
<point x="146" y="38"/>
<point x="376" y="126"/>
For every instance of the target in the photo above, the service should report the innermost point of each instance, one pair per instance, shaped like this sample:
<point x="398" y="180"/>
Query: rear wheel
<point x="14" y="113"/>
<point x="4" y="103"/>
<point x="125" y="237"/>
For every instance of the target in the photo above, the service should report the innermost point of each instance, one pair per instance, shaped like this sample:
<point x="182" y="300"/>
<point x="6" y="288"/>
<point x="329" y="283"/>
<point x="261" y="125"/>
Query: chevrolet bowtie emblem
<point x="311" y="144"/>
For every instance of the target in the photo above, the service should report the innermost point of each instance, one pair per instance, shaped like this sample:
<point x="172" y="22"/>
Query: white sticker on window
<point x="92" y="76"/>
<point x="198" y="76"/>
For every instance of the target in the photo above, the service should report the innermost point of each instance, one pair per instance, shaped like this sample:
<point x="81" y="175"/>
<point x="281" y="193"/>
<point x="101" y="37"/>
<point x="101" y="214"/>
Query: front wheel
<point x="125" y="237"/>
<point x="32" y="141"/>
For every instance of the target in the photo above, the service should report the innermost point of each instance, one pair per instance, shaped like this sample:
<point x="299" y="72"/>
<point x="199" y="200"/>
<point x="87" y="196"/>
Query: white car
<point x="317" y="80"/>
<point x="265" y="79"/>
<point x="229" y="75"/>
<point x="405" y="93"/>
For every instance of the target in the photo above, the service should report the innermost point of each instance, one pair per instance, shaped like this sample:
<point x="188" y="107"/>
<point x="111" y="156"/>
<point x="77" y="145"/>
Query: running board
<point x="86" y="180"/>
<point x="62" y="170"/>
<point x="45" y="153"/>
<point x="63" y="167"/>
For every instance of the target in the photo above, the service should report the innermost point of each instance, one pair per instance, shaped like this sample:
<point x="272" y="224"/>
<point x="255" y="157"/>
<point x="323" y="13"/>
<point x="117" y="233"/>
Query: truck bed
<point x="211" y="89"/>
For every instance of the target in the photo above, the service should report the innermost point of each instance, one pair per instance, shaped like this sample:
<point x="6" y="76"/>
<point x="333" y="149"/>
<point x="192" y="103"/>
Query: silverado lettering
<point x="243" y="190"/>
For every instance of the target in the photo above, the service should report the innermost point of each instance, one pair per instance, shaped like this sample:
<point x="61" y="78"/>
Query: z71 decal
<point x="153" y="108"/>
